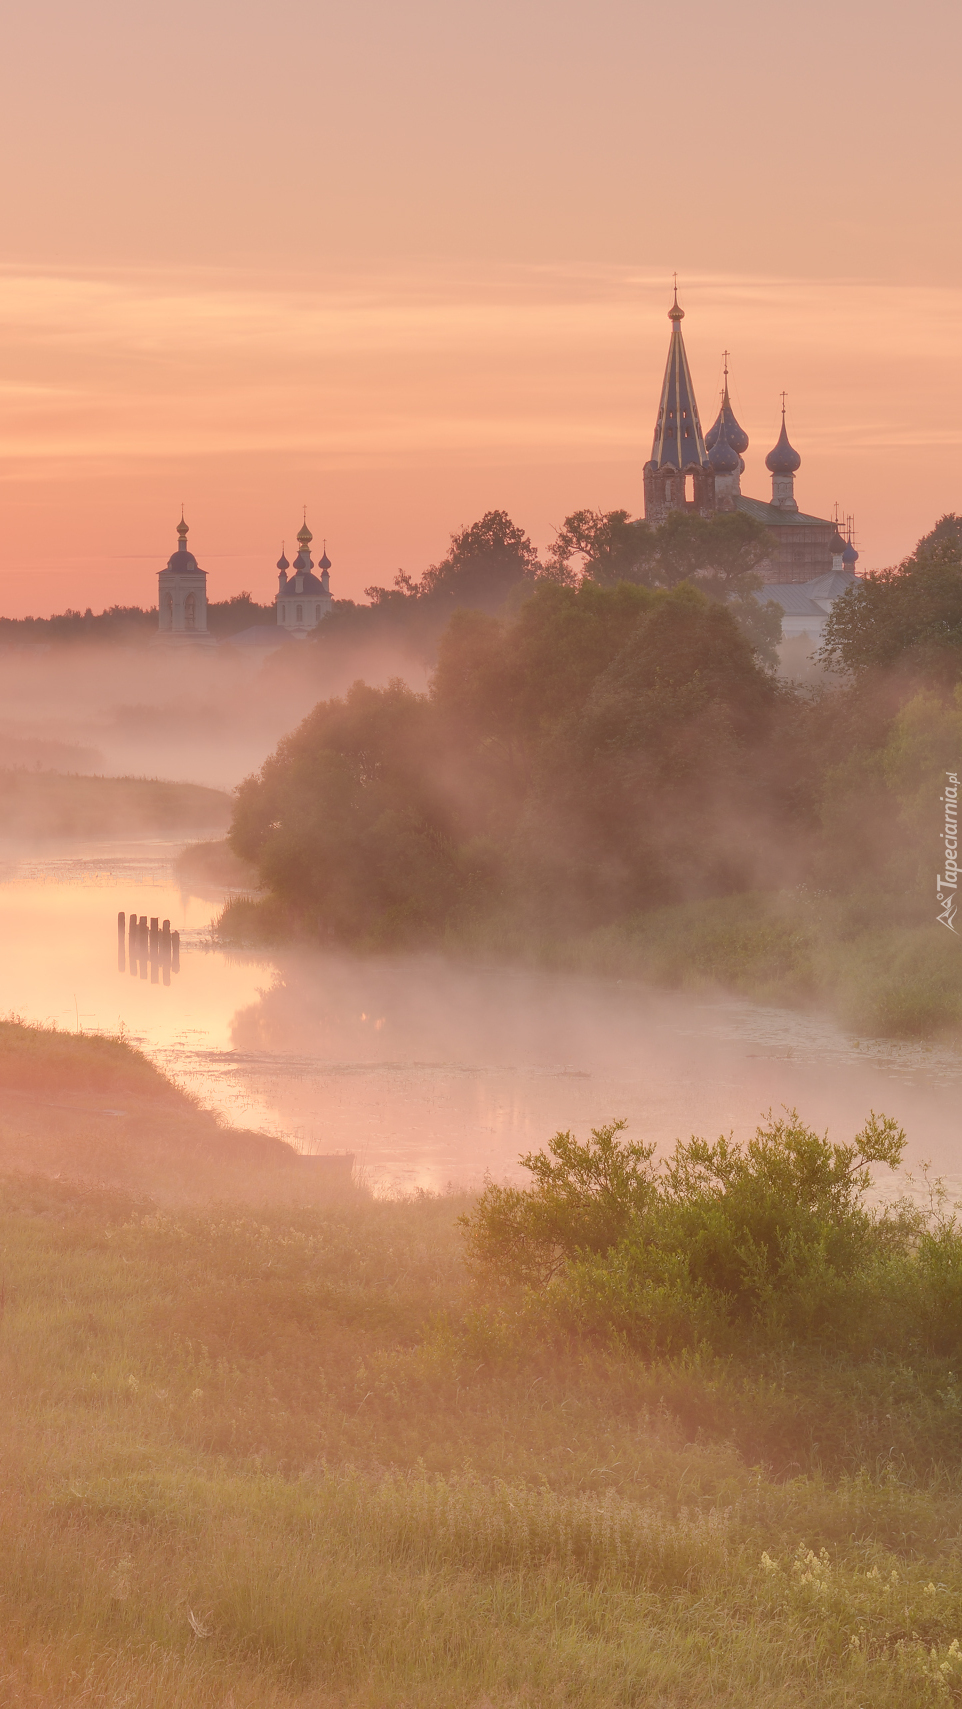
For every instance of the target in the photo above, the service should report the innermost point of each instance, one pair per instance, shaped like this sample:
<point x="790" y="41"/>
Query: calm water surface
<point x="431" y="1071"/>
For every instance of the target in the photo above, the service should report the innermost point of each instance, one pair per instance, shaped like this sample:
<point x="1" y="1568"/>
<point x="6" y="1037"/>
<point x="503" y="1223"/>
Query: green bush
<point x="727" y="1248"/>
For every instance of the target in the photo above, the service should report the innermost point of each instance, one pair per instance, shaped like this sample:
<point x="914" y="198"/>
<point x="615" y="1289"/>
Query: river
<point x="434" y="1072"/>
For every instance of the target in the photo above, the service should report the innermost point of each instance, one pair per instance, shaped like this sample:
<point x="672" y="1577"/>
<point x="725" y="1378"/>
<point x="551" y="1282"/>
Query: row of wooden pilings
<point x="151" y="948"/>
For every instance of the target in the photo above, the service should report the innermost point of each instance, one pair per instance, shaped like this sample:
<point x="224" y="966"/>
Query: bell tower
<point x="182" y="595"/>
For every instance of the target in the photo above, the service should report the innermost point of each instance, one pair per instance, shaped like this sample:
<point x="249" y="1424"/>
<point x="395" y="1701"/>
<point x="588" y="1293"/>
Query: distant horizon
<point x="410" y="266"/>
<point x="579" y="361"/>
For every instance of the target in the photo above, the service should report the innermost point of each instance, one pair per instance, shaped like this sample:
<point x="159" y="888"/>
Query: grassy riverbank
<point x="793" y="948"/>
<point x="43" y="804"/>
<point x="96" y="1111"/>
<point x="294" y="1456"/>
<point x="876" y="976"/>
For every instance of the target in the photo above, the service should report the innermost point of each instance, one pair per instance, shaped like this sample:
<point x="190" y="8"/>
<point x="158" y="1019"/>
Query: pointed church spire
<point x="678" y="475"/>
<point x="678" y="437"/>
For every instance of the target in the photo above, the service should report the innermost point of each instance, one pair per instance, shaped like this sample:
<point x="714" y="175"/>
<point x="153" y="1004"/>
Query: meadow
<point x="282" y="1446"/>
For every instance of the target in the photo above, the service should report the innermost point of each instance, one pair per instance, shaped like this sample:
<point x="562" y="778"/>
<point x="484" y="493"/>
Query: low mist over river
<point x="431" y="1070"/>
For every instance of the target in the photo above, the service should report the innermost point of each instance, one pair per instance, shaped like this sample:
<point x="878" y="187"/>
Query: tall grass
<point x="289" y="1457"/>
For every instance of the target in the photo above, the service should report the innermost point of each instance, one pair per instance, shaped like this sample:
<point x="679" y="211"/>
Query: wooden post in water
<point x="165" y="947"/>
<point x="142" y="945"/>
<point x="175" y="951"/>
<point x="121" y="943"/>
<point x="133" y="944"/>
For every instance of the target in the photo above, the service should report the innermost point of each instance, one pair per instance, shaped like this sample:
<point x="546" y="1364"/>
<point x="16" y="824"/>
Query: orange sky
<point x="408" y="264"/>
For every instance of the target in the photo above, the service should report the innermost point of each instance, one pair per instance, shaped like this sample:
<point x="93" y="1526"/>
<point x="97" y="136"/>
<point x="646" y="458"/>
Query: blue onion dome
<point x="325" y="562"/>
<point x="723" y="458"/>
<point x="734" y="432"/>
<point x="282" y="563"/>
<point x="850" y="557"/>
<point x="784" y="459"/>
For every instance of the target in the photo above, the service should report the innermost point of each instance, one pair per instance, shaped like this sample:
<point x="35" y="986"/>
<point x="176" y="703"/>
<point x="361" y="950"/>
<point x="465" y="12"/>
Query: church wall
<point x="800" y="554"/>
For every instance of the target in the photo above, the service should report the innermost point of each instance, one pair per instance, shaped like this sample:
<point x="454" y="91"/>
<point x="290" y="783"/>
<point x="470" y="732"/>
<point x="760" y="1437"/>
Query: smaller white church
<point x="303" y="598"/>
<point x="182" y="596"/>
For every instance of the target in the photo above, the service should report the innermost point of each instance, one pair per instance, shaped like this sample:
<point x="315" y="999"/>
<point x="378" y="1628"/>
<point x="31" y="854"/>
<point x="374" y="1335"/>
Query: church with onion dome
<point x="303" y="598"/>
<point x="702" y="473"/>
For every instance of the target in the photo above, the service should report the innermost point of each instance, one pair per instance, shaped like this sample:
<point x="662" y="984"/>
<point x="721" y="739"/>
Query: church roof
<point x="831" y="585"/>
<point x="678" y="437"/>
<point x="774" y="516"/>
<point x="302" y="581"/>
<point x="806" y="599"/>
<point x="185" y="563"/>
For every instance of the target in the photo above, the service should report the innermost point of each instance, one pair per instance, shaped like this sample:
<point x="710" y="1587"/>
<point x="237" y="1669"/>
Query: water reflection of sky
<point x="432" y="1071"/>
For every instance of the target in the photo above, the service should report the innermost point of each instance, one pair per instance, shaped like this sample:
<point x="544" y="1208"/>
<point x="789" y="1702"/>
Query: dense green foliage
<point x="908" y="618"/>
<point x="764" y="1247"/>
<point x="581" y="760"/>
<point x="492" y="565"/>
<point x="605" y="775"/>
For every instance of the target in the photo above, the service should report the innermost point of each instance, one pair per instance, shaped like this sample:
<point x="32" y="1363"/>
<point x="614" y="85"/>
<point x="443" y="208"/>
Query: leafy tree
<point x="605" y="545"/>
<point x="348" y="822"/>
<point x="242" y="611"/>
<point x="908" y="618"/>
<point x="562" y="757"/>
<point x="720" y="555"/>
<point x="484" y="564"/>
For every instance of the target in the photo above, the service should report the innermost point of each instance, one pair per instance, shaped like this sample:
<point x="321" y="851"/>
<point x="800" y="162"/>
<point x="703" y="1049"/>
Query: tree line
<point x="604" y="738"/>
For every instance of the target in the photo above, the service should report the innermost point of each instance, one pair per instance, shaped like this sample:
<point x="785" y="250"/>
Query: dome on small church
<point x="722" y="457"/>
<point x="783" y="459"/>
<point x="734" y="432"/>
<point x="325" y="562"/>
<point x="282" y="563"/>
<point x="850" y="557"/>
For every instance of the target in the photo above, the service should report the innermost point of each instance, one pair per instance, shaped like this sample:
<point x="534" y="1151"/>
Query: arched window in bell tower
<point x="300" y="614"/>
<point x="190" y="609"/>
<point x="170" y="611"/>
